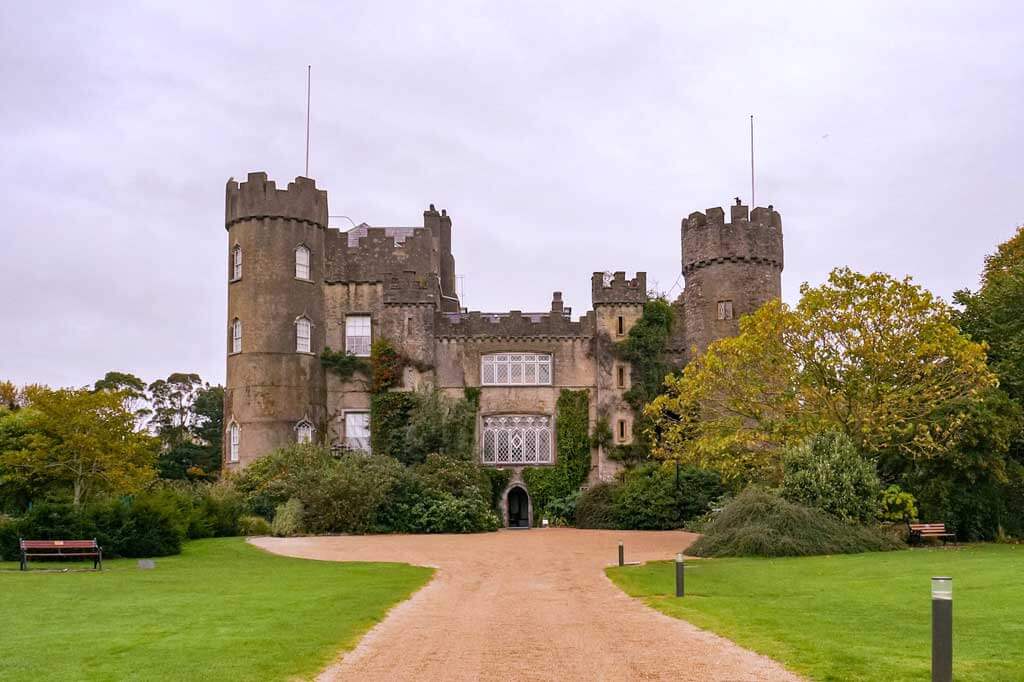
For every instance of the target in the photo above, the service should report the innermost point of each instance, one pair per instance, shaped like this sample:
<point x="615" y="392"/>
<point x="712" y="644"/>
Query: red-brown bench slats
<point x="919" y="531"/>
<point x="61" y="549"/>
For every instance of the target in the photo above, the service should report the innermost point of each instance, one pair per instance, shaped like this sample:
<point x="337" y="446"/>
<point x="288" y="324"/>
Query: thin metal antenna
<point x="753" y="202"/>
<point x="309" y="82"/>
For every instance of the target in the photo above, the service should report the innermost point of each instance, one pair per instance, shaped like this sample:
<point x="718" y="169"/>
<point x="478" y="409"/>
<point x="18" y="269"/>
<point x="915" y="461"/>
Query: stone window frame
<point x="305" y="432"/>
<point x="308" y="350"/>
<point x="622" y="432"/>
<point x="725" y="309"/>
<point x="523" y="365"/>
<point x="621" y="378"/>
<point x="236" y="262"/>
<point x="364" y="444"/>
<point x="234" y="441"/>
<point x="235" y="337"/>
<point x="537" y="429"/>
<point x="620" y="325"/>
<point x="364" y="346"/>
<point x="299" y="249"/>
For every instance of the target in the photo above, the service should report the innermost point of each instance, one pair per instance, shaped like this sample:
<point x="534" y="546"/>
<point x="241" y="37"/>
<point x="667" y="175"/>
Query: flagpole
<point x="753" y="203"/>
<point x="309" y="80"/>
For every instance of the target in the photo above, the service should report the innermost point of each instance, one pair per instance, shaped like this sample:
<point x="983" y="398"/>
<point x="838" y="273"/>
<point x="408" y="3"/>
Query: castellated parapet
<point x="731" y="269"/>
<point x="258" y="197"/>
<point x="618" y="289"/>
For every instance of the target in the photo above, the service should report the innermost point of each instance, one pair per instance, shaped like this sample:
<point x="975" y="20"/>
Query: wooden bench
<point x="920" y="531"/>
<point x="61" y="549"/>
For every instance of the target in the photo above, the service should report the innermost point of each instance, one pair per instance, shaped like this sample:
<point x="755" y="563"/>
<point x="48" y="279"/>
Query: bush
<point x="757" y="523"/>
<point x="651" y="499"/>
<point x="253" y="525"/>
<point x="827" y="472"/>
<point x="288" y="519"/>
<point x="446" y="513"/>
<point x="272" y="480"/>
<point x="348" y="496"/>
<point x="596" y="507"/>
<point x="897" y="505"/>
<point x="150" y="526"/>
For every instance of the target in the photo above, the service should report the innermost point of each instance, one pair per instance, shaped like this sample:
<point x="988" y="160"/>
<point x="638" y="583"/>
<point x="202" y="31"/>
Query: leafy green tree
<point x="827" y="472"/>
<point x="874" y="357"/>
<point x="173" y="399"/>
<point x="80" y="440"/>
<point x="132" y="388"/>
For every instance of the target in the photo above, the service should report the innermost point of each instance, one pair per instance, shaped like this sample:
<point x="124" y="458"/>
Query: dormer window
<point x="515" y="369"/>
<point x="303" y="329"/>
<point x="301" y="262"/>
<point x="236" y="263"/>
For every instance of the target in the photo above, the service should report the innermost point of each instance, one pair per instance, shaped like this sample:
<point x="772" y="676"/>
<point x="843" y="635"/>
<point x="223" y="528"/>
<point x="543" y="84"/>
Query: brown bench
<point x="921" y="531"/>
<point x="51" y="549"/>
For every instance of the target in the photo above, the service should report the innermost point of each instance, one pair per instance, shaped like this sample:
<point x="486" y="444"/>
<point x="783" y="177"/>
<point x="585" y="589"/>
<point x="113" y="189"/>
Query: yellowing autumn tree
<point x="82" y="440"/>
<point x="875" y="357"/>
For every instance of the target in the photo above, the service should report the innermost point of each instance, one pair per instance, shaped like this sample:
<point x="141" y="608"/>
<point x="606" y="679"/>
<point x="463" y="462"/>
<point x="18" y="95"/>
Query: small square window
<point x="725" y="310"/>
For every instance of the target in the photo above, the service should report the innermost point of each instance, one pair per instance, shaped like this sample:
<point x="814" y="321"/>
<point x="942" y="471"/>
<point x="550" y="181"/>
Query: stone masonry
<point x="298" y="286"/>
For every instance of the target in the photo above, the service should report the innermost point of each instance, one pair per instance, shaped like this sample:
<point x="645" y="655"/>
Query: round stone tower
<point x="274" y="393"/>
<point x="730" y="269"/>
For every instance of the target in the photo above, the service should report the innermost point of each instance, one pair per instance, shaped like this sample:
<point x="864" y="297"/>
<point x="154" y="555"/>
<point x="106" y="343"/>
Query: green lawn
<point x="853" y="617"/>
<point x="221" y="610"/>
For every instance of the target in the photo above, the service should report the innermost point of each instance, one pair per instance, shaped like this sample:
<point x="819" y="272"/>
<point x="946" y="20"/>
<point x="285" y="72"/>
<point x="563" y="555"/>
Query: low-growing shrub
<point x="446" y="513"/>
<point x="757" y="523"/>
<point x="596" y="507"/>
<point x="288" y="519"/>
<point x="253" y="525"/>
<point x="655" y="497"/>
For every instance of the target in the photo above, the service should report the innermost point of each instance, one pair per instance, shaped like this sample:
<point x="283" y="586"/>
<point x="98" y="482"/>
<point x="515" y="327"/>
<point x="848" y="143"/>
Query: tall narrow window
<point x="620" y="326"/>
<point x="236" y="336"/>
<point x="620" y="380"/>
<point x="301" y="262"/>
<point x="357" y="335"/>
<point x="622" y="430"/>
<point x="235" y="436"/>
<point x="236" y="263"/>
<point x="357" y="431"/>
<point x="302" y="333"/>
<point x="304" y="432"/>
<point x="725" y="310"/>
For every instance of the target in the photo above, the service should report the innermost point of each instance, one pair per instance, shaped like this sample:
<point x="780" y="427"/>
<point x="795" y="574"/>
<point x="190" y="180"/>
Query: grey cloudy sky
<point x="563" y="139"/>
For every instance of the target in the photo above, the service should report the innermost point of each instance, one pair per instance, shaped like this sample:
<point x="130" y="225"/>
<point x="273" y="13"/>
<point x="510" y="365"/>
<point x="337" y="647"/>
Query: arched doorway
<point x="518" y="505"/>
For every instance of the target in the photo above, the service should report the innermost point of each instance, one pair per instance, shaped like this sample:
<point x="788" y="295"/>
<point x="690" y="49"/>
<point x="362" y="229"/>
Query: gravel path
<point x="527" y="605"/>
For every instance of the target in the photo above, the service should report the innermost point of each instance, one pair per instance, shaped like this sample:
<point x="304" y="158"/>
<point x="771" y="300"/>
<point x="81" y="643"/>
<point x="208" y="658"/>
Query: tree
<point x="871" y="356"/>
<point x="80" y="439"/>
<point x="172" y="400"/>
<point x="134" y="391"/>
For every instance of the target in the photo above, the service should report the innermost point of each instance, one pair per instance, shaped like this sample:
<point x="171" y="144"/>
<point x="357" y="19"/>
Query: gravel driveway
<point x="527" y="605"/>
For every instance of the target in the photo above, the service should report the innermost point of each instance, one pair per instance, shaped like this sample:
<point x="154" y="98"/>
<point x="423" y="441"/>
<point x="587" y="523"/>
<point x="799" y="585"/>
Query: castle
<point x="297" y="286"/>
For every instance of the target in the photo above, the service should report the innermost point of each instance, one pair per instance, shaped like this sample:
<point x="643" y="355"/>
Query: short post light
<point x="622" y="554"/>
<point x="942" y="629"/>
<point x="680" y="585"/>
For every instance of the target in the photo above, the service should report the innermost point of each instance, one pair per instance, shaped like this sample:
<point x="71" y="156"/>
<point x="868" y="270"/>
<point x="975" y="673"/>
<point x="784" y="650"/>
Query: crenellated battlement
<point x="754" y="237"/>
<point x="617" y="289"/>
<point x="513" y="324"/>
<point x="258" y="198"/>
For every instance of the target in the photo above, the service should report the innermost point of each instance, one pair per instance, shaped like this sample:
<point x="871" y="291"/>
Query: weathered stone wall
<point x="270" y="387"/>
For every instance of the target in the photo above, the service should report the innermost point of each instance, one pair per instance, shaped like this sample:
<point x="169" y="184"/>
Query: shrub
<point x="561" y="511"/>
<point x="347" y="496"/>
<point x="651" y="498"/>
<point x="272" y="480"/>
<point x="390" y="412"/>
<point x="8" y="538"/>
<point x="897" y="505"/>
<point x="253" y="525"/>
<point x="288" y="519"/>
<point x="757" y="523"/>
<point x="150" y="525"/>
<point x="446" y="513"/>
<point x="596" y="507"/>
<point x="571" y="467"/>
<point x="827" y="472"/>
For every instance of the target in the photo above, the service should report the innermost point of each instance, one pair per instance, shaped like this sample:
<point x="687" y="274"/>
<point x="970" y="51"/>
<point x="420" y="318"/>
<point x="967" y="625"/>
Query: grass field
<point x="854" y="617"/>
<point x="222" y="610"/>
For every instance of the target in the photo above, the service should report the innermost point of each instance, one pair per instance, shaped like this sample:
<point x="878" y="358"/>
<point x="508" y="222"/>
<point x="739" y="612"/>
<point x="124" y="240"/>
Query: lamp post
<point x="680" y="585"/>
<point x="942" y="629"/>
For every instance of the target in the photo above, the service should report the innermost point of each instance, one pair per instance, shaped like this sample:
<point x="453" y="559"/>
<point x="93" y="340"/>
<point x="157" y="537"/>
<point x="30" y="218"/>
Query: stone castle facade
<point x="297" y="287"/>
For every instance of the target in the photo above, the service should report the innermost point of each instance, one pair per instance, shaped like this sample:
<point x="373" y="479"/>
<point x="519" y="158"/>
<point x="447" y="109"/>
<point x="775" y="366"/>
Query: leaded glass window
<point x="516" y="439"/>
<point x="515" y="369"/>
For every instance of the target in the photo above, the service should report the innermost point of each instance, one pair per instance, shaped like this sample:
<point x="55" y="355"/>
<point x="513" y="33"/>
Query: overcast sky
<point x="562" y="140"/>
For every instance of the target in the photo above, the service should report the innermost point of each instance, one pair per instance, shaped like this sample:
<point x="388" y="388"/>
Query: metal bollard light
<point x="680" y="568"/>
<point x="942" y="629"/>
<point x="622" y="554"/>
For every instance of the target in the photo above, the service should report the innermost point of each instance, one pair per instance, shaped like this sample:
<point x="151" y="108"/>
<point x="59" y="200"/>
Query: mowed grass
<point x="853" y="617"/>
<point x="222" y="610"/>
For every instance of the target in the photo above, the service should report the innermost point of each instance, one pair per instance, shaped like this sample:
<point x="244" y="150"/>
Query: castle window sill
<point x="303" y="279"/>
<point x="234" y="279"/>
